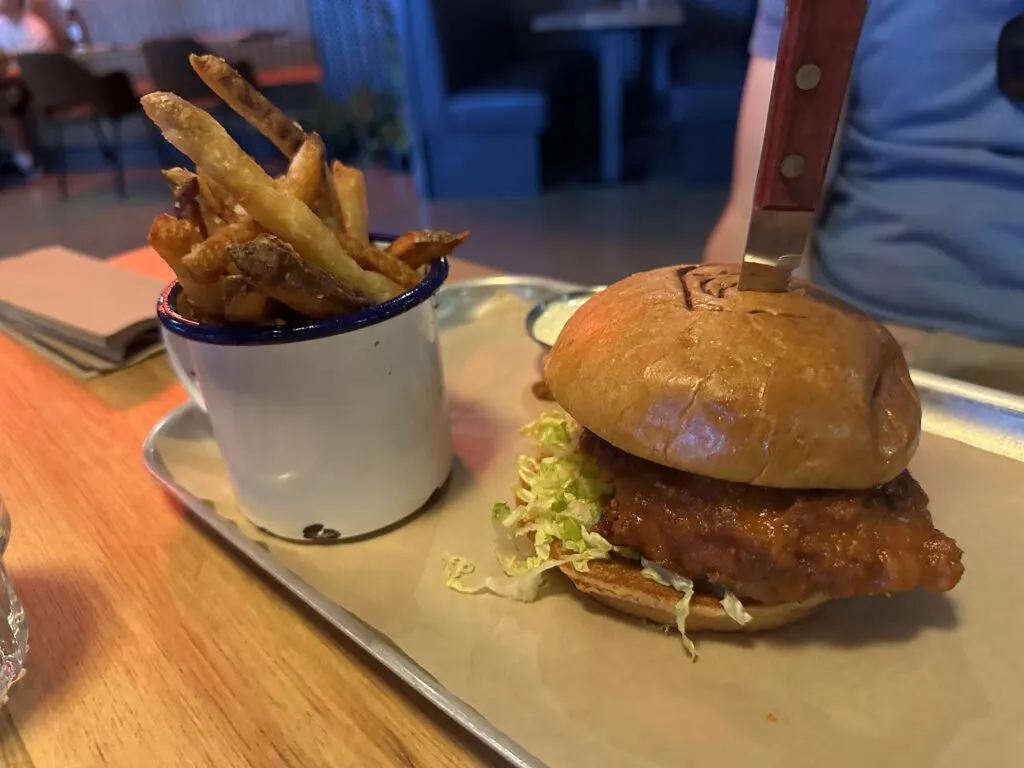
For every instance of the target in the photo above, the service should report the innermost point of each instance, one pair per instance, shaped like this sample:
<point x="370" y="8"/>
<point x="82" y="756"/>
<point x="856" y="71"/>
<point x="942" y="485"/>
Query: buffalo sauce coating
<point x="775" y="545"/>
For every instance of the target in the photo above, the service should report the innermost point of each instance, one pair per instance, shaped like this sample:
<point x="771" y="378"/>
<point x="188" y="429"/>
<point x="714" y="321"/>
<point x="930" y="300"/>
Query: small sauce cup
<point x="545" y="320"/>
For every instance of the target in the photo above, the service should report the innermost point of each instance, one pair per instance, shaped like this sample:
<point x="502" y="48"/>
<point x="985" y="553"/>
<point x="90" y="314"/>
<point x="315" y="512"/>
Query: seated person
<point x="20" y="32"/>
<point x="922" y="222"/>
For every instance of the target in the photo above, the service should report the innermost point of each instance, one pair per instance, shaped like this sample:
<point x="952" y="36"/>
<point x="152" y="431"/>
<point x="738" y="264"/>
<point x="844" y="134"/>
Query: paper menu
<point x="84" y="311"/>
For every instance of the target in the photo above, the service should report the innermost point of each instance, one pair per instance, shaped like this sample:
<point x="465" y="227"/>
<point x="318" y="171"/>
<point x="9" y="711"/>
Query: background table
<point x="275" y="58"/>
<point x="150" y="645"/>
<point x="617" y="27"/>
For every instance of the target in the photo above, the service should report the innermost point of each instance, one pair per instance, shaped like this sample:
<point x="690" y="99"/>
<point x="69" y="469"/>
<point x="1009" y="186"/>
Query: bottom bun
<point x="619" y="585"/>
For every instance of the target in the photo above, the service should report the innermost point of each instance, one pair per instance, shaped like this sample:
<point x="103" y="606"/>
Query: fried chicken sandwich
<point x="727" y="460"/>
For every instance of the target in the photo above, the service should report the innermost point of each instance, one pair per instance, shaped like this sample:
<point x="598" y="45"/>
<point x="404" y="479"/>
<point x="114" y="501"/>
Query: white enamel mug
<point x="330" y="429"/>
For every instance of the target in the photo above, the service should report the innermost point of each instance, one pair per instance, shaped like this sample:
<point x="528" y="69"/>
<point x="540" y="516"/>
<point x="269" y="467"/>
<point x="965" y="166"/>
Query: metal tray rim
<point x="947" y="385"/>
<point x="355" y="629"/>
<point x="379" y="646"/>
<point x="505" y="281"/>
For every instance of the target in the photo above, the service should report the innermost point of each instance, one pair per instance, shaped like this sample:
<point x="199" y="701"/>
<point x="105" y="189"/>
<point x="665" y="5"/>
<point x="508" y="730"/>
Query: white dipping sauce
<point x="552" y="320"/>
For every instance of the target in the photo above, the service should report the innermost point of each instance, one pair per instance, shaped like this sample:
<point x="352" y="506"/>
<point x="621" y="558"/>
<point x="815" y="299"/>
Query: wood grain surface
<point x="151" y="645"/>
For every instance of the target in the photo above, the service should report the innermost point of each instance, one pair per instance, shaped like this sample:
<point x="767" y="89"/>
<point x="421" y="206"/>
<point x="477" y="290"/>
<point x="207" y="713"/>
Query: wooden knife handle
<point x="812" y="72"/>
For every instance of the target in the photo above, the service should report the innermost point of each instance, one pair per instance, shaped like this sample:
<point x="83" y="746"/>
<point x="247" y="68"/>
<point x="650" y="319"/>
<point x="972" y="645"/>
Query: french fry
<point x="243" y="303"/>
<point x="424" y="246"/>
<point x="370" y="258"/>
<point x="177" y="177"/>
<point x="214" y="206"/>
<point x="188" y="206"/>
<point x="305" y="177"/>
<point x="216" y="202"/>
<point x="172" y="239"/>
<point x="181" y="181"/>
<point x="190" y="312"/>
<point x="330" y="210"/>
<point x="198" y="135"/>
<point x="308" y="178"/>
<point x="350" y="191"/>
<point x="208" y="261"/>
<point x="239" y="94"/>
<point x="275" y="269"/>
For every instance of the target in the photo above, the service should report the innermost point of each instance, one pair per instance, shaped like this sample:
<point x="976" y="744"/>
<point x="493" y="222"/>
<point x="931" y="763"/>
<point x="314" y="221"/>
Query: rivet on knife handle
<point x="812" y="72"/>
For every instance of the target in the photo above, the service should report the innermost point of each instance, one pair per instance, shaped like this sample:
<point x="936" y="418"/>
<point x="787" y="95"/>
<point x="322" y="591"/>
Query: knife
<point x="812" y="73"/>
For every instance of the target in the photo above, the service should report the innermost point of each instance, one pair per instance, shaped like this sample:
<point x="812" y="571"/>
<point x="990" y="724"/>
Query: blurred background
<point x="582" y="140"/>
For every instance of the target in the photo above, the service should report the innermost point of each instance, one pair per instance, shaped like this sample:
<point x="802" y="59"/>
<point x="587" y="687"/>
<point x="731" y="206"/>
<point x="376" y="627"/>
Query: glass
<point x="14" y="627"/>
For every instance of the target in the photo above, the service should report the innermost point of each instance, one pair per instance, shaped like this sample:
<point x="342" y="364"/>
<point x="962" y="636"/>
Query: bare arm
<point x="728" y="239"/>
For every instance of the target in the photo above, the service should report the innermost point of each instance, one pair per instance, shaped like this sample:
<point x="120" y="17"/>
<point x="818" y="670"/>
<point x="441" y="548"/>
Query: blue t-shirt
<point x="924" y="221"/>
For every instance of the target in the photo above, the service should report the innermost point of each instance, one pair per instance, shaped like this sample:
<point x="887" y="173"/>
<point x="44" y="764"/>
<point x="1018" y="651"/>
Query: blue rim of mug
<point x="304" y="330"/>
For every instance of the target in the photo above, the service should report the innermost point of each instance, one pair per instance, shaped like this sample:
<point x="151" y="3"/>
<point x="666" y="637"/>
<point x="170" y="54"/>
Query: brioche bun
<point x="787" y="390"/>
<point x="618" y="584"/>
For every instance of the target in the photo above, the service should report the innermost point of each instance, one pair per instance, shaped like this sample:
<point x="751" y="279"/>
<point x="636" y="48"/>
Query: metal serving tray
<point x="985" y="419"/>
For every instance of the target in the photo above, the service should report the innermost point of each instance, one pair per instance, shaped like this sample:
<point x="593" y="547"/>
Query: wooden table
<point x="151" y="645"/>
<point x="617" y="26"/>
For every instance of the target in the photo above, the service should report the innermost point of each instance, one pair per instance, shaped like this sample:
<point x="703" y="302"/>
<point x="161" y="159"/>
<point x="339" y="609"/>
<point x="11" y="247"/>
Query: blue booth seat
<point x="709" y="64"/>
<point x="514" y="98"/>
<point x="488" y="119"/>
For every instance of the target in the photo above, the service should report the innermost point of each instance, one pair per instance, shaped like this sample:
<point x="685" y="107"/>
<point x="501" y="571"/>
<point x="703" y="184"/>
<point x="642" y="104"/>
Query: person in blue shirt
<point x="923" y="219"/>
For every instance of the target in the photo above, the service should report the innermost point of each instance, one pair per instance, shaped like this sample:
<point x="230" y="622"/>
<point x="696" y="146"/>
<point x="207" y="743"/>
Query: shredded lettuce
<point x="734" y="608"/>
<point x="665" y="577"/>
<point x="522" y="586"/>
<point x="550" y="429"/>
<point x="558" y="498"/>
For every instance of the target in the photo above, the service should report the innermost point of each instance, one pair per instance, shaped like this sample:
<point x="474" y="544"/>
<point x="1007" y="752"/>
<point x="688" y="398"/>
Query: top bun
<point x="788" y="390"/>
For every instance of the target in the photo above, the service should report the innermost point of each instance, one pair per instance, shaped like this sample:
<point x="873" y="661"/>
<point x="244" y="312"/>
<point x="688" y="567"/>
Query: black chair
<point x="169" y="67"/>
<point x="14" y="101"/>
<point x="64" y="91"/>
<point x="707" y="67"/>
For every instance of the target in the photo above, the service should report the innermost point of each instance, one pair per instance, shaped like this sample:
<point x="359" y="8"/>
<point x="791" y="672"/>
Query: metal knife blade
<point x="812" y="73"/>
